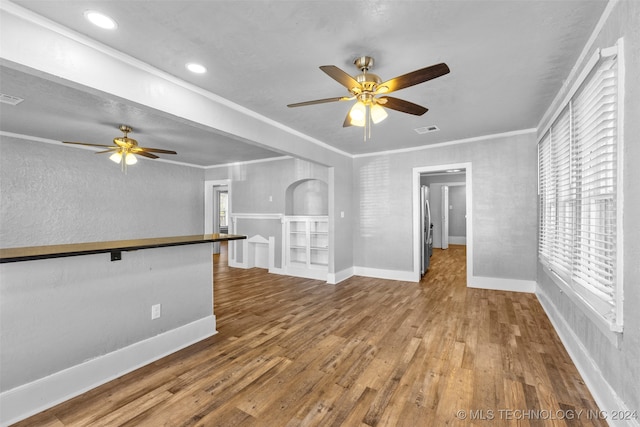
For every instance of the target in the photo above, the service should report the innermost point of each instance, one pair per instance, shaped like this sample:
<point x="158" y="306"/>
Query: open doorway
<point x="449" y="189"/>
<point x="220" y="212"/>
<point x="449" y="207"/>
<point x="217" y="208"/>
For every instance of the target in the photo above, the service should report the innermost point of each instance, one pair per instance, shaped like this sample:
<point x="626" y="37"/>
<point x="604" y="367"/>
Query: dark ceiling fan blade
<point x="320" y="101"/>
<point x="153" y="150"/>
<point x="341" y="77"/>
<point x="347" y="120"/>
<point x="402" y="105"/>
<point x="413" y="78"/>
<point x="89" y="145"/>
<point x="108" y="150"/>
<point x="149" y="155"/>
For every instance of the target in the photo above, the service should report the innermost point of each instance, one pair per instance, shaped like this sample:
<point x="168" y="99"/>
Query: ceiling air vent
<point x="427" y="129"/>
<point x="10" y="99"/>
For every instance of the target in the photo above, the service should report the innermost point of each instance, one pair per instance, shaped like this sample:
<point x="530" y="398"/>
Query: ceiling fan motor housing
<point x="369" y="81"/>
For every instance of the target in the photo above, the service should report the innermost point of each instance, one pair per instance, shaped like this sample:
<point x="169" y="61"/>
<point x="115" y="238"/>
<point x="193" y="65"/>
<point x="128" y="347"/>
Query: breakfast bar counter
<point x="115" y="247"/>
<point x="71" y="319"/>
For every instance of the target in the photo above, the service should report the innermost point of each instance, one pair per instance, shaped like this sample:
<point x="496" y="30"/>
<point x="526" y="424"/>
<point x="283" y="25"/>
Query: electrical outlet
<point x="156" y="311"/>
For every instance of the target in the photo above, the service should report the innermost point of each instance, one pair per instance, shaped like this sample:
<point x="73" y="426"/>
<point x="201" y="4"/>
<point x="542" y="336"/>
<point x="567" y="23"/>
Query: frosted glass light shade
<point x="130" y="159"/>
<point x="378" y="113"/>
<point x="358" y="111"/>
<point x="358" y="114"/>
<point x="116" y="157"/>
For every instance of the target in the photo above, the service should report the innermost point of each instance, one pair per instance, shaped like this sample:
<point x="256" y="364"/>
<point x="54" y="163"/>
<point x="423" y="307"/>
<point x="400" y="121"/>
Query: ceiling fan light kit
<point x="125" y="149"/>
<point x="366" y="88"/>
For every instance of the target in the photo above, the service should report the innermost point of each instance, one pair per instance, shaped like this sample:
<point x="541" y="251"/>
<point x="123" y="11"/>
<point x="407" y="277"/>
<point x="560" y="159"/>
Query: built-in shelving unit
<point x="307" y="246"/>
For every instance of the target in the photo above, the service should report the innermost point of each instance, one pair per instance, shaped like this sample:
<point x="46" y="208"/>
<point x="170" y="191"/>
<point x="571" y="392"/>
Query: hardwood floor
<point x="367" y="352"/>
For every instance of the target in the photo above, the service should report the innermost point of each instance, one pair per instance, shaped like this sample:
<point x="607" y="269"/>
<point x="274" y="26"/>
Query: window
<point x="578" y="187"/>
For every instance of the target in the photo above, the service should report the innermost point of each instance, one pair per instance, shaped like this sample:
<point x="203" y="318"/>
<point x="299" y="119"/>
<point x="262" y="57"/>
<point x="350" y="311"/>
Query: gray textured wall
<point x="619" y="366"/>
<point x="458" y="204"/>
<point x="59" y="194"/>
<point x="57" y="313"/>
<point x="503" y="212"/>
<point x="253" y="184"/>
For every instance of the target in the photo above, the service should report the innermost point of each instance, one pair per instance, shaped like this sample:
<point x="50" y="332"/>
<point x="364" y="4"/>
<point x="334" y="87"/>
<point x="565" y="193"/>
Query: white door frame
<point x="209" y="202"/>
<point x="417" y="171"/>
<point x="217" y="189"/>
<point x="444" y="217"/>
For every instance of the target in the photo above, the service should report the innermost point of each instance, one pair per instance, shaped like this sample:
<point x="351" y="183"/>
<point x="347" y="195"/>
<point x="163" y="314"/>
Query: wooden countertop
<point x="57" y="251"/>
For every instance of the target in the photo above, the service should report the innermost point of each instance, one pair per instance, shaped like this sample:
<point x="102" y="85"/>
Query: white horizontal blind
<point x="578" y="191"/>
<point x="594" y="163"/>
<point x="546" y="189"/>
<point x="562" y="247"/>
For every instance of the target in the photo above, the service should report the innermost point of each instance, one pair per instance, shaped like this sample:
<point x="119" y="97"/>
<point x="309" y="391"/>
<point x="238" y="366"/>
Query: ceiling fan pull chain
<point x="369" y="120"/>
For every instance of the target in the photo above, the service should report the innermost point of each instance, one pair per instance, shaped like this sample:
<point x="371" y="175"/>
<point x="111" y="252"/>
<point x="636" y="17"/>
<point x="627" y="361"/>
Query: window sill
<point x="612" y="331"/>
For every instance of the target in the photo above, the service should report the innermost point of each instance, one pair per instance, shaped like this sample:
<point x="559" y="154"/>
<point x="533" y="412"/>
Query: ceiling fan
<point x="366" y="88"/>
<point x="125" y="148"/>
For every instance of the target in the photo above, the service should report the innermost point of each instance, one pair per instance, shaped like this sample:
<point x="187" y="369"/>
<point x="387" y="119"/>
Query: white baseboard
<point x="500" y="284"/>
<point x="379" y="273"/>
<point x="29" y="399"/>
<point x="335" y="278"/>
<point x="307" y="273"/>
<point x="274" y="270"/>
<point x="234" y="264"/>
<point x="605" y="396"/>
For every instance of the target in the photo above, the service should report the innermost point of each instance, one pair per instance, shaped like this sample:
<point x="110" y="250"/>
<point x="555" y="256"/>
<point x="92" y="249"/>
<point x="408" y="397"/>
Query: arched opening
<point x="307" y="197"/>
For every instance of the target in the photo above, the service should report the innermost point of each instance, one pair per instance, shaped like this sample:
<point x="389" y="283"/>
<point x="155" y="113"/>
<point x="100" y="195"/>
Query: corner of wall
<point x="605" y="396"/>
<point x="29" y="399"/>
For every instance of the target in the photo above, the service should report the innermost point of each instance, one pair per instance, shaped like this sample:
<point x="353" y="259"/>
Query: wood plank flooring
<point x="367" y="352"/>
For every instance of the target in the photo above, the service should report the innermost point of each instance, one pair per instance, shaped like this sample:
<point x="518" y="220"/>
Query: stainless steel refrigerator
<point x="426" y="230"/>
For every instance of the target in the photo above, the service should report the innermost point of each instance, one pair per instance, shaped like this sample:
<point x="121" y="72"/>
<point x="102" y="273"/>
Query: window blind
<point x="562" y="247"/>
<point x="546" y="187"/>
<point x="594" y="164"/>
<point x="577" y="185"/>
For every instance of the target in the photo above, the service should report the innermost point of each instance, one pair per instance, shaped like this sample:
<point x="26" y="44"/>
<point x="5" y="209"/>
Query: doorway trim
<point x="208" y="201"/>
<point x="417" y="171"/>
<point x="209" y="207"/>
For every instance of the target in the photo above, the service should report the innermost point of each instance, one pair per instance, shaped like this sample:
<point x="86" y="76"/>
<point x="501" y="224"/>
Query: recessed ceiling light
<point x="100" y="20"/>
<point x="453" y="170"/>
<point x="196" y="68"/>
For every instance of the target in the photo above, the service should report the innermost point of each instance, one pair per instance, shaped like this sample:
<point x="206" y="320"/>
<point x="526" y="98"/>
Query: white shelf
<point x="307" y="246"/>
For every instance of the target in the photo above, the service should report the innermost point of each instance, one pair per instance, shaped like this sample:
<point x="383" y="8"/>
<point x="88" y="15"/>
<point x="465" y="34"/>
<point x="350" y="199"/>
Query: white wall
<point x="613" y="373"/>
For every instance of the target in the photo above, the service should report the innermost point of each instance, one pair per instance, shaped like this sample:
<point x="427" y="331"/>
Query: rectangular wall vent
<point x="427" y="129"/>
<point x="10" y="99"/>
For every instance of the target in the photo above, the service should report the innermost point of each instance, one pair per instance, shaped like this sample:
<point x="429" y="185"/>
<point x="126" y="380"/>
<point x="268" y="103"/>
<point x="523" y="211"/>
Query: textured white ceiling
<point x="508" y="59"/>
